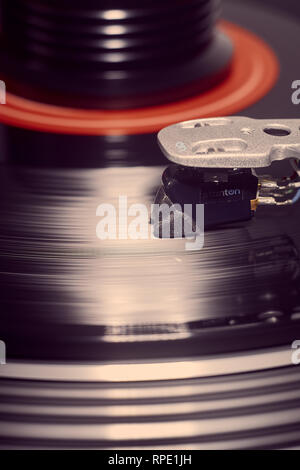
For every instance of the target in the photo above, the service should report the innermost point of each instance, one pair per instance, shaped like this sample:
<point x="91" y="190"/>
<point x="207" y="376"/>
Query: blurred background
<point x="139" y="343"/>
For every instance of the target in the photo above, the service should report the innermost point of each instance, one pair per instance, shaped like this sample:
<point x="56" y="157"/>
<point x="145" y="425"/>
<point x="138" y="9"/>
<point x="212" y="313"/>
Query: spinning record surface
<point x="141" y="343"/>
<point x="80" y="298"/>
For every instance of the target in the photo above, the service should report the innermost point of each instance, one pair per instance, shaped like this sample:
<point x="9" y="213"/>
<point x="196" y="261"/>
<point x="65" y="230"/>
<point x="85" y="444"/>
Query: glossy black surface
<point x="65" y="294"/>
<point x="68" y="299"/>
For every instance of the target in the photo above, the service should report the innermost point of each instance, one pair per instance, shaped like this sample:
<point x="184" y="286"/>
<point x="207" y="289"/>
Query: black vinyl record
<point x="141" y="343"/>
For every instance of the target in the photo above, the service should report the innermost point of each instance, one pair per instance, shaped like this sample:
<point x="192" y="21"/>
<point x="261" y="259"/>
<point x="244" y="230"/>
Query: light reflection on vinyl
<point x="170" y="337"/>
<point x="64" y="286"/>
<point x="141" y="343"/>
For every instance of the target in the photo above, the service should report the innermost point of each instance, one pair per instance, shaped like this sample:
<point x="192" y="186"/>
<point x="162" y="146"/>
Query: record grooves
<point x="140" y="343"/>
